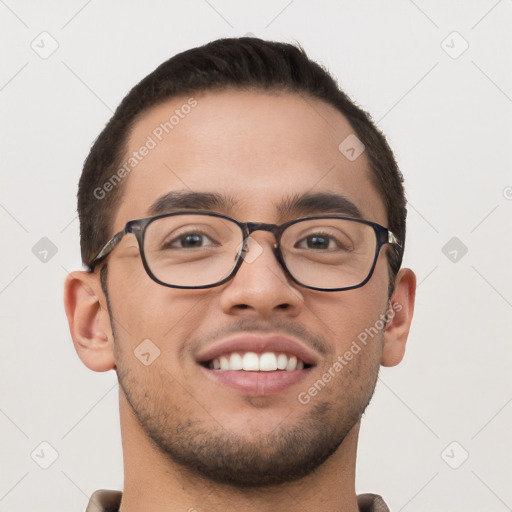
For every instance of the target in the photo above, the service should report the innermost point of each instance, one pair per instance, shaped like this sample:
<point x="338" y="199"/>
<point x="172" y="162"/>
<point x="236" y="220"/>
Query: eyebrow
<point x="292" y="206"/>
<point x="319" y="202"/>
<point x="184" y="200"/>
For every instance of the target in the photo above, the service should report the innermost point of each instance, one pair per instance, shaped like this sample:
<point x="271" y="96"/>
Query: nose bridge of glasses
<point x="251" y="227"/>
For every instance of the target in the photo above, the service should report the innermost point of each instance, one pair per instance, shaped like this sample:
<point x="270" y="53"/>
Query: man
<point x="243" y="224"/>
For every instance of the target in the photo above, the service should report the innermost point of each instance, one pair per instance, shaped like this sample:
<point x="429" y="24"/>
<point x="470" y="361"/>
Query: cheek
<point x="143" y="309"/>
<point x="352" y="319"/>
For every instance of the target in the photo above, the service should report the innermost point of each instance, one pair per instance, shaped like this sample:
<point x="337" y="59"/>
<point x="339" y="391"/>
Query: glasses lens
<point x="192" y="250"/>
<point x="329" y="253"/>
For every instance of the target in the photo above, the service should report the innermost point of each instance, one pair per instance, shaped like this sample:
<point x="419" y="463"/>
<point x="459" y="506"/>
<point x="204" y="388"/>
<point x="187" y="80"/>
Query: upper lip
<point x="260" y="344"/>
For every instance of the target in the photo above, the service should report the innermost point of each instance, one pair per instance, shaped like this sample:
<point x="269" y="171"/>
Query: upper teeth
<point x="252" y="362"/>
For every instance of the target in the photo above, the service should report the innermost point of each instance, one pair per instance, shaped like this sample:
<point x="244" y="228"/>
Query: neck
<point x="154" y="482"/>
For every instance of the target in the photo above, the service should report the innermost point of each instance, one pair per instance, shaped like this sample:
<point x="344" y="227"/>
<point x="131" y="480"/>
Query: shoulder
<point x="371" y="503"/>
<point x="104" y="500"/>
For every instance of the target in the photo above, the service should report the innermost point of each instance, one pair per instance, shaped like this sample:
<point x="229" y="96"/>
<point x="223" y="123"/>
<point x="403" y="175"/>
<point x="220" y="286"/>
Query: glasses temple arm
<point x="392" y="239"/>
<point x="105" y="250"/>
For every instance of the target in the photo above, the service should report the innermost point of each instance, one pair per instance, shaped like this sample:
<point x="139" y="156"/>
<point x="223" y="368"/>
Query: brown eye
<point x="191" y="240"/>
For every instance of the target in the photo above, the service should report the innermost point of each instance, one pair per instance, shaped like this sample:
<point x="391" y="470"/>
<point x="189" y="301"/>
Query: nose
<point x="261" y="286"/>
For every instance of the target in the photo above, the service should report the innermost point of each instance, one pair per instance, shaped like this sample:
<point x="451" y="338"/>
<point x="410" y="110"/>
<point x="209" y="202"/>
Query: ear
<point x="400" y="311"/>
<point x="89" y="322"/>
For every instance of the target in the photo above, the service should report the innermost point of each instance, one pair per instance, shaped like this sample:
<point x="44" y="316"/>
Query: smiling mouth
<point x="254" y="362"/>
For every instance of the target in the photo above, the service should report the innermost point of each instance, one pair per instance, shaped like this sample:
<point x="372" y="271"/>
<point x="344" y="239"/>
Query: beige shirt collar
<point x="109" y="501"/>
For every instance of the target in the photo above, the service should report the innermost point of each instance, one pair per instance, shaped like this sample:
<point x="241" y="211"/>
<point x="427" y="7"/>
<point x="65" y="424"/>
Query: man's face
<point x="260" y="150"/>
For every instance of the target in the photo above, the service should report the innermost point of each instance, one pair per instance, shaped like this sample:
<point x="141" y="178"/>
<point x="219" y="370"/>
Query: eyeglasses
<point x="197" y="249"/>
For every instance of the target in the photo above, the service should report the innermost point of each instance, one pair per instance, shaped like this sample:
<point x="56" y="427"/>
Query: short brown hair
<point x="240" y="63"/>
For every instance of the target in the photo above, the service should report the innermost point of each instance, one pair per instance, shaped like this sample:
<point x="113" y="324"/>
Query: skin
<point x="259" y="148"/>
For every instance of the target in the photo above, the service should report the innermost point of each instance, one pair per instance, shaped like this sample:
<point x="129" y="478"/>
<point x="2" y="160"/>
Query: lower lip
<point x="257" y="383"/>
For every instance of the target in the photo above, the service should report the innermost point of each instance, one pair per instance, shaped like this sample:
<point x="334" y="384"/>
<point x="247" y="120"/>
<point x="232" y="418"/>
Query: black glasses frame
<point x="138" y="228"/>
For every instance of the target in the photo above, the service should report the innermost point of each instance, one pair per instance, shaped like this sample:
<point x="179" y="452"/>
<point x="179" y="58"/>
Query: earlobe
<point x="89" y="321"/>
<point x="400" y="312"/>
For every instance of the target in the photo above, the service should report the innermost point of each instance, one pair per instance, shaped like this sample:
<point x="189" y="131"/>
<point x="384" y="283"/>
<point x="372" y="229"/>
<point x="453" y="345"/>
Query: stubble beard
<point x="286" y="454"/>
<point x="201" y="445"/>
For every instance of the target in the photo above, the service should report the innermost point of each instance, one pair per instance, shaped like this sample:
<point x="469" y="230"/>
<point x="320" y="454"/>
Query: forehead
<point x="257" y="150"/>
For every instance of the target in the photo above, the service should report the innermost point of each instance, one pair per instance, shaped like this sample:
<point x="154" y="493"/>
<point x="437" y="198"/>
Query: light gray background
<point x="449" y="122"/>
